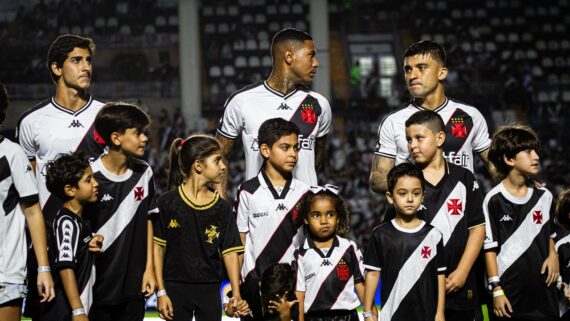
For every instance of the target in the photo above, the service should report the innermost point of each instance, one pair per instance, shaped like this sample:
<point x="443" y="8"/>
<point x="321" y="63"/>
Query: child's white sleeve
<point x="301" y="287"/>
<point x="242" y="211"/>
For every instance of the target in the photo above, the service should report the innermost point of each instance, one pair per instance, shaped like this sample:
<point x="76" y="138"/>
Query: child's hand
<point x="81" y="317"/>
<point x="502" y="307"/>
<point x="551" y="264"/>
<point x="282" y="306"/>
<point x="149" y="283"/>
<point x="45" y="286"/>
<point x="455" y="281"/>
<point x="164" y="307"/>
<point x="236" y="308"/>
<point x="96" y="244"/>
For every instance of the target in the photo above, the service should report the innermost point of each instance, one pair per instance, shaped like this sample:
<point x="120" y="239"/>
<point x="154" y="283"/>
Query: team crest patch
<point x="537" y="217"/>
<point x="139" y="193"/>
<point x="426" y="252"/>
<point x="308" y="114"/>
<point x="342" y="270"/>
<point x="173" y="224"/>
<point x="458" y="128"/>
<point x="212" y="233"/>
<point x="454" y="206"/>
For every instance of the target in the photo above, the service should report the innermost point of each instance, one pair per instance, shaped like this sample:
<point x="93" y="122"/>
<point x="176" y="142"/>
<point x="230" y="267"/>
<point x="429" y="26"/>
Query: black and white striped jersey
<point x="247" y="108"/>
<point x="17" y="185"/>
<point x="328" y="276"/>
<point x="466" y="133"/>
<point x="48" y="130"/>
<point x="519" y="229"/>
<point x="562" y="245"/>
<point x="71" y="243"/>
<point x="195" y="237"/>
<point x="120" y="215"/>
<point x="270" y="220"/>
<point x="453" y="206"/>
<point x="409" y="261"/>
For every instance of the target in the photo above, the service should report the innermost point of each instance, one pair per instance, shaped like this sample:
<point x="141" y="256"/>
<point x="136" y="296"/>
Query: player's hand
<point x="502" y="307"/>
<point x="551" y="264"/>
<point x="149" y="283"/>
<point x="164" y="307"/>
<point x="241" y="307"/>
<point x="81" y="317"/>
<point x="282" y="306"/>
<point x="566" y="291"/>
<point x="45" y="286"/>
<point x="455" y="281"/>
<point x="96" y="244"/>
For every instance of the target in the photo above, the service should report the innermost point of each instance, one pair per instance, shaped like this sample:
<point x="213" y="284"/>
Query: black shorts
<point x="56" y="310"/>
<point x="455" y="315"/>
<point x="131" y="310"/>
<point x="332" y="315"/>
<point x="201" y="301"/>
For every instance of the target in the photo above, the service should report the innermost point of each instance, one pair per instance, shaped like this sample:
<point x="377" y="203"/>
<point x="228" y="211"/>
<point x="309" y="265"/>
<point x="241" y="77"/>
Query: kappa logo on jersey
<point x="308" y="114"/>
<point x="342" y="271"/>
<point x="28" y="168"/>
<point x="283" y="106"/>
<point x="422" y="208"/>
<point x="475" y="185"/>
<point x="139" y="193"/>
<point x="281" y="207"/>
<point x="537" y="217"/>
<point x="326" y="263"/>
<point x="454" y="206"/>
<point x="254" y="145"/>
<point x="106" y="198"/>
<point x="97" y="138"/>
<point x="65" y="252"/>
<point x="506" y="218"/>
<point x="458" y="128"/>
<point x="173" y="224"/>
<point x="426" y="252"/>
<point x="212" y="233"/>
<point x="75" y="124"/>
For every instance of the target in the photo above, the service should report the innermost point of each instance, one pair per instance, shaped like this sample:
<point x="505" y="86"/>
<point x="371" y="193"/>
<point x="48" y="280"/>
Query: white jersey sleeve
<point x="325" y="118"/>
<point x="23" y="175"/>
<point x="300" y="275"/>
<point x="481" y="139"/>
<point x="242" y="209"/>
<point x="25" y="134"/>
<point x="231" y="123"/>
<point x="386" y="144"/>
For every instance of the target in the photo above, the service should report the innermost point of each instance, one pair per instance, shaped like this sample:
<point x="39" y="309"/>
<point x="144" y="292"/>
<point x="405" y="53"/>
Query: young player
<point x="195" y="231"/>
<point x="266" y="208"/>
<point x="562" y="246"/>
<point x="452" y="204"/>
<point x="521" y="261"/>
<point x="329" y="266"/>
<point x="122" y="215"/>
<point x="70" y="178"/>
<point x="408" y="253"/>
<point x="19" y="196"/>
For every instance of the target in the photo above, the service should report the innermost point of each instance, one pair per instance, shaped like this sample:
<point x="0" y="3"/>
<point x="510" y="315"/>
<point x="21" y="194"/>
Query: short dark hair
<point x="428" y="118"/>
<point x="66" y="169"/>
<point x="4" y="102"/>
<point x="275" y="280"/>
<point x="404" y="169"/>
<point x="62" y="46"/>
<point x="563" y="207"/>
<point x="117" y="117"/>
<point x="339" y="204"/>
<point x="291" y="35"/>
<point x="508" y="141"/>
<point x="429" y="48"/>
<point x="273" y="129"/>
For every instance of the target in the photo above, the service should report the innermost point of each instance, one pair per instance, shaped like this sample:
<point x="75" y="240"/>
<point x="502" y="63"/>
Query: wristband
<point x="493" y="279"/>
<point x="498" y="293"/>
<point x="160" y="293"/>
<point x="78" y="311"/>
<point x="44" y="268"/>
<point x="366" y="314"/>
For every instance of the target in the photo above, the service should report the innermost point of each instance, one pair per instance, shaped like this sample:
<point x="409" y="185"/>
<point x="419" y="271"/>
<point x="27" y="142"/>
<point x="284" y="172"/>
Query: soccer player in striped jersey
<point x="70" y="178"/>
<point x="266" y="208"/>
<point x="520" y="255"/>
<point x="562" y="245"/>
<point x="329" y="266"/>
<point x="122" y="215"/>
<point x="408" y="253"/>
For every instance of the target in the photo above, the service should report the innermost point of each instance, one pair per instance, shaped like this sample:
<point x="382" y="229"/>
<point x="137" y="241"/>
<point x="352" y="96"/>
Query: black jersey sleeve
<point x="159" y="224"/>
<point x="153" y="198"/>
<point x="373" y="259"/>
<point x="231" y="242"/>
<point x="440" y="258"/>
<point x="67" y="231"/>
<point x="474" y="202"/>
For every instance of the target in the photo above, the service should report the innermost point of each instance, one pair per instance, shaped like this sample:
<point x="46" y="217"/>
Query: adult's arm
<point x="381" y="165"/>
<point x="320" y="150"/>
<point x="227" y="149"/>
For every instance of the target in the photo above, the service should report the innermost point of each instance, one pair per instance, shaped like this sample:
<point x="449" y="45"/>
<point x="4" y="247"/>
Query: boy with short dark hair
<point x="408" y="253"/>
<point x="519" y="231"/>
<point x="70" y="178"/>
<point x="266" y="208"/>
<point x="122" y="215"/>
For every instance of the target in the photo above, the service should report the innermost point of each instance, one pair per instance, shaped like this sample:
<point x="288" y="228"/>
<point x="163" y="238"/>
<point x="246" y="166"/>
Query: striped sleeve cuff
<point x="441" y="270"/>
<point x="385" y="155"/>
<point x="226" y="135"/>
<point x="159" y="241"/>
<point x="490" y="245"/>
<point x="372" y="268"/>
<point x="236" y="249"/>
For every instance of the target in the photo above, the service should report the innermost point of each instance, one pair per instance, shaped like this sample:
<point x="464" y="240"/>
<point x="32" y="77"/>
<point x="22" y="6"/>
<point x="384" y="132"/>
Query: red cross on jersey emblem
<point x="308" y="115"/>
<point x="426" y="252"/>
<point x="342" y="272"/>
<point x="458" y="130"/>
<point x="139" y="193"/>
<point x="454" y="206"/>
<point x="537" y="217"/>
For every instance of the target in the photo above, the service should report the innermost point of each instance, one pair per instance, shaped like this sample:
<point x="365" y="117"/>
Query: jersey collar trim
<point x="436" y="110"/>
<point x="273" y="91"/>
<point x="195" y="206"/>
<point x="443" y="178"/>
<point x="514" y="199"/>
<point x="67" y="111"/>
<point x="310" y="244"/>
<point x="110" y="176"/>
<point x="407" y="230"/>
<point x="266" y="183"/>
